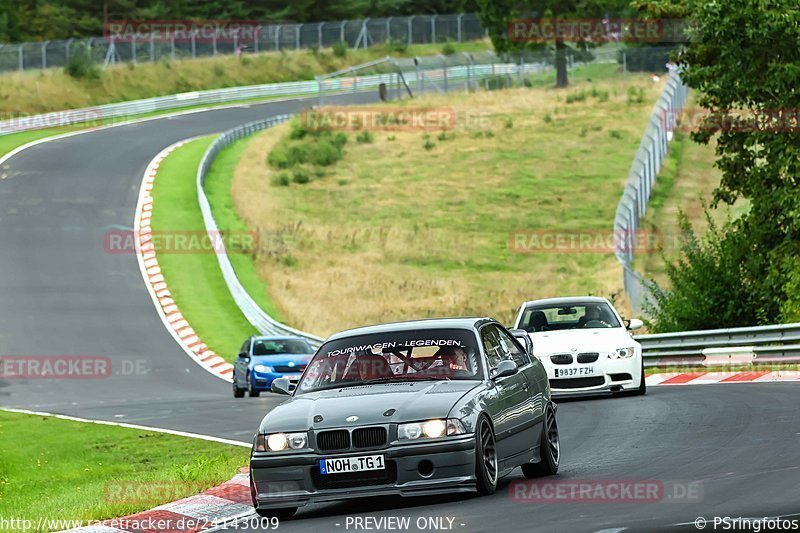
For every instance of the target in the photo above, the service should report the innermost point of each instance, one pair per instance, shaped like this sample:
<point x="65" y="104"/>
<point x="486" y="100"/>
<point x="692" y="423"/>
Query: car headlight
<point x="278" y="442"/>
<point x="264" y="369"/>
<point x="430" y="429"/>
<point x="622" y="353"/>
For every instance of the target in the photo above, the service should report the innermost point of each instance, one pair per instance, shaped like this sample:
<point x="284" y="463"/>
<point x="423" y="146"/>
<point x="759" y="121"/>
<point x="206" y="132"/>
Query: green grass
<point x="72" y="470"/>
<point x="53" y="90"/>
<point x="194" y="279"/>
<point x="218" y="190"/>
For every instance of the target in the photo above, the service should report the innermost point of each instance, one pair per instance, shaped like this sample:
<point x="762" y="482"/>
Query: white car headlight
<point x="430" y="429"/>
<point x="263" y="369"/>
<point x="277" y="442"/>
<point x="623" y="353"/>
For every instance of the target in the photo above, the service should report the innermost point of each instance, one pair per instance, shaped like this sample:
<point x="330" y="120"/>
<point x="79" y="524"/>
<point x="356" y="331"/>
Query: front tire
<point x="485" y="457"/>
<point x="237" y="392"/>
<point x="284" y="513"/>
<point x="642" y="390"/>
<point x="251" y="390"/>
<point x="549" y="449"/>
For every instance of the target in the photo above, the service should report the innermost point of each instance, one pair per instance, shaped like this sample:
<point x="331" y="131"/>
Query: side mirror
<point x="243" y="355"/>
<point x="506" y="368"/>
<point x="522" y="336"/>
<point x="634" y="324"/>
<point x="282" y="386"/>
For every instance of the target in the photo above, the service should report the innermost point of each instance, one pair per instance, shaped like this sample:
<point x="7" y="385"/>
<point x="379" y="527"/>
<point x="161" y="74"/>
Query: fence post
<point x="278" y="38"/>
<point x="21" y="59"/>
<point x="152" y="50"/>
<point x="433" y="28"/>
<point x="44" y="55"/>
<point x="410" y="29"/>
<point x="341" y="31"/>
<point x="172" y="46"/>
<point x="624" y="65"/>
<point x="133" y="49"/>
<point x="297" y="36"/>
<point x="444" y="71"/>
<point x="256" y="37"/>
<point x="319" y="35"/>
<point x="389" y="29"/>
<point x="458" y="29"/>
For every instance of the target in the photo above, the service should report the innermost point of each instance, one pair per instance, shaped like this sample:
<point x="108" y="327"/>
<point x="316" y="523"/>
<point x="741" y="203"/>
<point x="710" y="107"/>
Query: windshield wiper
<point x="404" y="378"/>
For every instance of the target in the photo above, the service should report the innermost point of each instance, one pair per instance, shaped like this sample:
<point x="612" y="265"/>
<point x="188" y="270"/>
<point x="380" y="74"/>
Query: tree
<point x="744" y="59"/>
<point x="498" y="15"/>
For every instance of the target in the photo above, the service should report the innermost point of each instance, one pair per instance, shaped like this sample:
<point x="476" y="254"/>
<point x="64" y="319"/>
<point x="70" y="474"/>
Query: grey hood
<point x="411" y="401"/>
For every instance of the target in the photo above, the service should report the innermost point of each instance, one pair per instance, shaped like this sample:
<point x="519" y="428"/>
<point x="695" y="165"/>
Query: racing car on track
<point x="264" y="359"/>
<point x="410" y="408"/>
<point x="584" y="345"/>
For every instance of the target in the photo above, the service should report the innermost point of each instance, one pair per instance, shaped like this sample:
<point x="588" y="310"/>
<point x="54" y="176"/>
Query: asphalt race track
<point x="62" y="294"/>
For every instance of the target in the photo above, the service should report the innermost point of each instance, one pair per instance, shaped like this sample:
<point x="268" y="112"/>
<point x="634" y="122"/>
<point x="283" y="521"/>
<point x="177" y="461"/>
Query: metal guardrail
<point x="767" y="344"/>
<point x="251" y="310"/>
<point x="639" y="186"/>
<point x="110" y="113"/>
<point x="415" y="29"/>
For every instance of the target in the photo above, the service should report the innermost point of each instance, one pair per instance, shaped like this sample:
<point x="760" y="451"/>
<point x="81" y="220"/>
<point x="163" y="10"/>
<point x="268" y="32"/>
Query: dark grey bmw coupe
<point x="409" y="408"/>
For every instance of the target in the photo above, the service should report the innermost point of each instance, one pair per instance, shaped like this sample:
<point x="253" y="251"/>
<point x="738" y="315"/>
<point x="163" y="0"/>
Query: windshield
<point x="573" y="316"/>
<point x="436" y="354"/>
<point x="281" y="347"/>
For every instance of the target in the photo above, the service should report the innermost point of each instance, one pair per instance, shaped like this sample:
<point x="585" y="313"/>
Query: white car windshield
<point x="572" y="316"/>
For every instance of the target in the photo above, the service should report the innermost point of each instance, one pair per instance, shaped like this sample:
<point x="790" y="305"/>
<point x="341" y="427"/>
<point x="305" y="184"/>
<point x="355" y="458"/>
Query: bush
<point x="396" y="45"/>
<point x="340" y="49"/>
<point x="448" y="49"/>
<point x="429" y="145"/>
<point x="579" y="96"/>
<point x="635" y="95"/>
<point x="280" y="180"/>
<point x="701" y="281"/>
<point x="300" y="176"/>
<point x="81" y="64"/>
<point x="322" y="153"/>
<point x="365" y="137"/>
<point x="615" y="134"/>
<point x="278" y="157"/>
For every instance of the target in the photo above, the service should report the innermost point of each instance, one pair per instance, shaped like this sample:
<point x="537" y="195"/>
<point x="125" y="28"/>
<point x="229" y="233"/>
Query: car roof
<point x="567" y="300"/>
<point x="431" y="323"/>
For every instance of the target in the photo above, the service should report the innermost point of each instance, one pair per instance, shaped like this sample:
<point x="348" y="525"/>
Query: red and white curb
<point x="218" y="505"/>
<point x="707" y="378"/>
<point x="173" y="320"/>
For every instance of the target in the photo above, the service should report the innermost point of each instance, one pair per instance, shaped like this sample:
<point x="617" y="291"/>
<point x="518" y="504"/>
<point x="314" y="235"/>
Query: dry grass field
<point x="396" y="230"/>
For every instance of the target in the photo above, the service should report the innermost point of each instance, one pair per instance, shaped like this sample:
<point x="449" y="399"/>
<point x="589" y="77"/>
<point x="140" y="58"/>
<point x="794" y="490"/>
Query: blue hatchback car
<point x="263" y="359"/>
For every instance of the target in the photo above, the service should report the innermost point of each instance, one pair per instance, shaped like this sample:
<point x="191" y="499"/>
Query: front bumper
<point x="293" y="480"/>
<point x="263" y="380"/>
<point x="610" y="375"/>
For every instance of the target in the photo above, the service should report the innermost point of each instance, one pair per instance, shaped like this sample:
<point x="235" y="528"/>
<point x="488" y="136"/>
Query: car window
<point x="394" y="356"/>
<point x="246" y="347"/>
<point x="518" y="355"/>
<point x="281" y="346"/>
<point x="495" y="352"/>
<point x="588" y="315"/>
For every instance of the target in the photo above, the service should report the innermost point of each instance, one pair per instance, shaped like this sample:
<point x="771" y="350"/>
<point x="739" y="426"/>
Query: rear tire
<point x="237" y="392"/>
<point x="486" y="467"/>
<point x="549" y="449"/>
<point x="251" y="390"/>
<point x="281" y="514"/>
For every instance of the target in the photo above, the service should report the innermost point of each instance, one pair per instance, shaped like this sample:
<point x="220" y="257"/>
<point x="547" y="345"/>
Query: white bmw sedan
<point x="584" y="345"/>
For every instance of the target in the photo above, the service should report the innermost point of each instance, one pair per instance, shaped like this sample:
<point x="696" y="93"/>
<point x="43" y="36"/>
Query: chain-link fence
<point x="400" y="31"/>
<point x="641" y="178"/>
